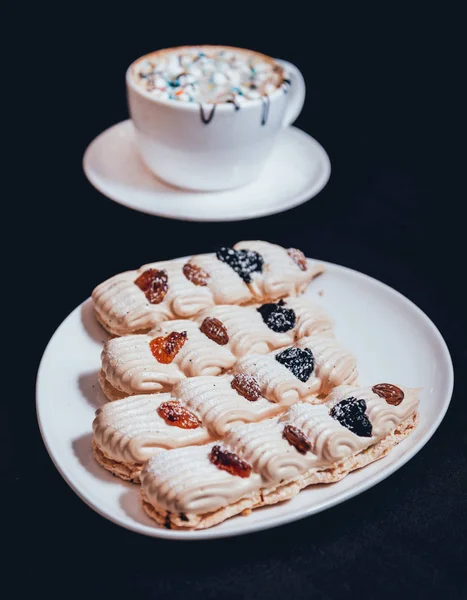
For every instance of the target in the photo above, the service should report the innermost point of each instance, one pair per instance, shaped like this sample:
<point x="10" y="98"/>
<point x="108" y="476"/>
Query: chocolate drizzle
<point x="265" y="113"/>
<point x="176" y="82"/>
<point x="232" y="101"/>
<point x="206" y="118"/>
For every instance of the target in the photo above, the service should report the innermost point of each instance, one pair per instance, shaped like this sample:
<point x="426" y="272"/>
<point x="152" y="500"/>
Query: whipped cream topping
<point x="248" y="332"/>
<point x="333" y="366"/>
<point x="281" y="276"/>
<point x="311" y="319"/>
<point x="211" y="74"/>
<point x="122" y="307"/>
<point x="131" y="430"/>
<point x="219" y="406"/>
<point x="246" y="329"/>
<point x="224" y="284"/>
<point x="186" y="481"/>
<point x="129" y="365"/>
<point x="382" y="415"/>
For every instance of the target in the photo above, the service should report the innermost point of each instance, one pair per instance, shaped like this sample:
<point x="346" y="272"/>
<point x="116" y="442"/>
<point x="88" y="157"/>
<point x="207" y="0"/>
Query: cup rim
<point x="194" y="106"/>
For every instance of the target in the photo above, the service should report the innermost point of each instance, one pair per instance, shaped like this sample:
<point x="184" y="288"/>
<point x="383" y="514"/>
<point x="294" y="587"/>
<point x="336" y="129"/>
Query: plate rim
<point x="291" y="516"/>
<point x="309" y="193"/>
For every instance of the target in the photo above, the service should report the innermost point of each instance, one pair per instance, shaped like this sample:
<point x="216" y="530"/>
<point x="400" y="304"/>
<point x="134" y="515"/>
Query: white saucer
<point x="297" y="169"/>
<point x="392" y="339"/>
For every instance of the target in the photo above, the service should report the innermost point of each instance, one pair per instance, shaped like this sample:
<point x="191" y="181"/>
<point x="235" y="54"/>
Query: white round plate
<point x="392" y="339"/>
<point x="296" y="170"/>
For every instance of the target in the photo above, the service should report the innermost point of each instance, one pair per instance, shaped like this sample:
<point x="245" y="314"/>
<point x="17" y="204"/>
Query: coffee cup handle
<point x="296" y="92"/>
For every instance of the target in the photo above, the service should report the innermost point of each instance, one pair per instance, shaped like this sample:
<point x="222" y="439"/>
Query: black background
<point x="380" y="98"/>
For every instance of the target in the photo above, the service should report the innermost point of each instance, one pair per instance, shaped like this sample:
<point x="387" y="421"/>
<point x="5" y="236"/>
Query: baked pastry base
<point x="126" y="471"/>
<point x="117" y="332"/>
<point x="280" y="493"/>
<point x="111" y="392"/>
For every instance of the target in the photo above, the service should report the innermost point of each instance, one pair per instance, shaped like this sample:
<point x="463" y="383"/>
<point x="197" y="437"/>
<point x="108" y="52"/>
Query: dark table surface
<point x="389" y="210"/>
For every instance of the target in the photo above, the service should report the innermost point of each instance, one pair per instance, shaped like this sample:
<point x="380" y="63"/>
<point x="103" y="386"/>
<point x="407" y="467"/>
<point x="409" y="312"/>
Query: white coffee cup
<point x="189" y="146"/>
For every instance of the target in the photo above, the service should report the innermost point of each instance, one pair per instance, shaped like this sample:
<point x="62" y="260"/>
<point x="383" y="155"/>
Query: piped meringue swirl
<point x="219" y="405"/>
<point x="129" y="366"/>
<point x="333" y="365"/>
<point x="131" y="431"/>
<point x="281" y="276"/>
<point x="122" y="307"/>
<point x="169" y="482"/>
<point x="246" y="329"/>
<point x="185" y="480"/>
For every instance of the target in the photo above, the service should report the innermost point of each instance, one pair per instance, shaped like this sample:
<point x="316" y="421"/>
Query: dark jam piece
<point x="391" y="393"/>
<point x="215" y="330"/>
<point x="165" y="349"/>
<point x="351" y="414"/>
<point x="247" y="386"/>
<point x="175" y="414"/>
<point x="230" y="462"/>
<point x="297" y="439"/>
<point x="154" y="284"/>
<point x="277" y="317"/>
<point x="299" y="362"/>
<point x="243" y="262"/>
